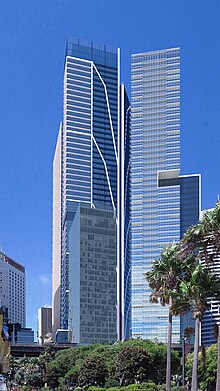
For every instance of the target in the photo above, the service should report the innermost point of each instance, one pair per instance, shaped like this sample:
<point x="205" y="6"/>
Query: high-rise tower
<point x="12" y="290"/>
<point x="86" y="192"/>
<point x="163" y="203"/>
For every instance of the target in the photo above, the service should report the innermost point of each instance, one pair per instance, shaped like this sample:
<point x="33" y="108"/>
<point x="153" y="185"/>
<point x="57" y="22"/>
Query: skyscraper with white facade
<point x="12" y="290"/>
<point x="86" y="169"/>
<point x="163" y="203"/>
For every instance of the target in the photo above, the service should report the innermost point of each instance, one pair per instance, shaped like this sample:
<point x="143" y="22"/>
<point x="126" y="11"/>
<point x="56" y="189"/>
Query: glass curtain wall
<point x="155" y="146"/>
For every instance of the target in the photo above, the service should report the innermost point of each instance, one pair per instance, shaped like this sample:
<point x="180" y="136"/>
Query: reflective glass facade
<point x="158" y="214"/>
<point x="127" y="219"/>
<point x="189" y="190"/>
<point x="89" y="158"/>
<point x="90" y="131"/>
<point x="124" y="226"/>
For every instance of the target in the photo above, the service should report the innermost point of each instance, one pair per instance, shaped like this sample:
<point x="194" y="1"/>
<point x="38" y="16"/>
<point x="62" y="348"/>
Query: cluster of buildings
<point x="13" y="305"/>
<point x="118" y="199"/>
<point x="118" y="196"/>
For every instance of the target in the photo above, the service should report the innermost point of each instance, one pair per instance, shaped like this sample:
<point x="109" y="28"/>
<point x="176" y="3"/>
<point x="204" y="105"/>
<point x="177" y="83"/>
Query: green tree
<point x="164" y="278"/>
<point x="93" y="372"/>
<point x="63" y="368"/>
<point x="53" y="375"/>
<point x="131" y="365"/>
<point x="29" y="373"/>
<point x="194" y="295"/>
<point x="205" y="236"/>
<point x="43" y="361"/>
<point x="207" y="377"/>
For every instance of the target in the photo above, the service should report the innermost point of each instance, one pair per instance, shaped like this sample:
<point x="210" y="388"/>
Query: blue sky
<point x="32" y="46"/>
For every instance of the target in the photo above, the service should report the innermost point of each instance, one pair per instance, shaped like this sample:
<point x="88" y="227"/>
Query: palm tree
<point x="194" y="295"/>
<point x="205" y="236"/>
<point x="165" y="277"/>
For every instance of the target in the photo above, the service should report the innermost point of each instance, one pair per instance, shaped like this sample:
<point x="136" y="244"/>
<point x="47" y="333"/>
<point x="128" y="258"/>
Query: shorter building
<point x="24" y="336"/>
<point x="44" y="323"/>
<point x="12" y="290"/>
<point x="62" y="336"/>
<point x="93" y="277"/>
<point x="188" y="193"/>
<point x="209" y="322"/>
<point x="211" y="317"/>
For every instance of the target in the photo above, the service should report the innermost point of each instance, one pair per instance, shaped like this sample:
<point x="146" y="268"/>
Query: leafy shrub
<point x="135" y="387"/>
<point x="149" y="386"/>
<point x="93" y="372"/>
<point x="94" y="388"/>
<point x="111" y="383"/>
<point x="131" y="365"/>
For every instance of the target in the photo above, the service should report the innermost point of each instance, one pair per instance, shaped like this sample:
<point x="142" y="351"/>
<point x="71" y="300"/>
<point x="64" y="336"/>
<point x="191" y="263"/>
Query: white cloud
<point x="44" y="279"/>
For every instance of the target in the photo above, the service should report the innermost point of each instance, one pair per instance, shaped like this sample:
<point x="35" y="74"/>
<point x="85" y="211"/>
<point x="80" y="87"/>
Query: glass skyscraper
<point x="124" y="227"/>
<point x="163" y="203"/>
<point x="87" y="161"/>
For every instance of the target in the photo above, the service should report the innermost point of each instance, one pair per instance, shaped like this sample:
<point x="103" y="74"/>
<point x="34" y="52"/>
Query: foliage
<point x="194" y="294"/>
<point x="168" y="272"/>
<point x="131" y="365"/>
<point x="111" y="382"/>
<point x="207" y="377"/>
<point x="164" y="279"/>
<point x="131" y="387"/>
<point x="93" y="371"/>
<point x="68" y="362"/>
<point x="64" y="368"/>
<point x="149" y="386"/>
<point x="53" y="374"/>
<point x="204" y="235"/>
<point x="29" y="372"/>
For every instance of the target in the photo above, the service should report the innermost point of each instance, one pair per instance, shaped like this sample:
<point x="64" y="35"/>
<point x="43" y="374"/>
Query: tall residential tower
<point x="163" y="203"/>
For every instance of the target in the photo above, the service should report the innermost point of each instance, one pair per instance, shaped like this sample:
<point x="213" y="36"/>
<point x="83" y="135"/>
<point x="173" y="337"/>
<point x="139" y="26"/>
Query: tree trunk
<point x="218" y="362"/>
<point x="194" y="386"/>
<point x="169" y="340"/>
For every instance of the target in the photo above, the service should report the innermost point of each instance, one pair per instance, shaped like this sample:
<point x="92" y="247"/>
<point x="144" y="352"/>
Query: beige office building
<point x="44" y="323"/>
